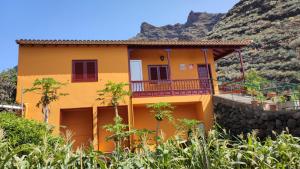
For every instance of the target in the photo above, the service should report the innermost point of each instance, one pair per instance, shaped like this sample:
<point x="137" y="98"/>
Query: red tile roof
<point x="137" y="42"/>
<point x="220" y="48"/>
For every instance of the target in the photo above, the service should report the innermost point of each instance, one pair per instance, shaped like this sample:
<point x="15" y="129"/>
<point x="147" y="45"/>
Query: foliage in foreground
<point x="19" y="131"/>
<point x="213" y="152"/>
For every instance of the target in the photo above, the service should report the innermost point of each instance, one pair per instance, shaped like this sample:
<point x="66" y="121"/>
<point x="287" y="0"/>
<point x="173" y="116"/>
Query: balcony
<point x="155" y="88"/>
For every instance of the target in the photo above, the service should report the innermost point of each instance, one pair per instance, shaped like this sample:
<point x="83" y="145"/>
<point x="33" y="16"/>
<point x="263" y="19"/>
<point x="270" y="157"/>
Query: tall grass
<point x="213" y="151"/>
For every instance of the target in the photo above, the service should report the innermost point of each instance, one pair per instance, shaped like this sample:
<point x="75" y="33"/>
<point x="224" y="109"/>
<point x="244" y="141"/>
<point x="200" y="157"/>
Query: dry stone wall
<point x="240" y="118"/>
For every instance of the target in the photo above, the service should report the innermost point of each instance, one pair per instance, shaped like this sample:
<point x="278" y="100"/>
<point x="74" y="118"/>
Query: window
<point x="84" y="71"/>
<point x="158" y="72"/>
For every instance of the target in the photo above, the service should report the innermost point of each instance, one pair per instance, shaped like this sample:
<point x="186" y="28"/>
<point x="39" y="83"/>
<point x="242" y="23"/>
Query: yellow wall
<point x="203" y="103"/>
<point x="147" y="120"/>
<point x="56" y="62"/>
<point x="177" y="57"/>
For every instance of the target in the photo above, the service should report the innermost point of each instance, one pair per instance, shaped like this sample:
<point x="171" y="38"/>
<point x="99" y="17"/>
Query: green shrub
<point x="214" y="151"/>
<point x="20" y="131"/>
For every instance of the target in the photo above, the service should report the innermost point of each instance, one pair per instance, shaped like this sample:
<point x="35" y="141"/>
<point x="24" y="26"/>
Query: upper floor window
<point x="158" y="72"/>
<point x="84" y="71"/>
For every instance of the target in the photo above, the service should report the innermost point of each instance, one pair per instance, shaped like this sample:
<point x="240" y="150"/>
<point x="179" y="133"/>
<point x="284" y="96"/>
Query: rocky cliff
<point x="197" y="26"/>
<point x="272" y="24"/>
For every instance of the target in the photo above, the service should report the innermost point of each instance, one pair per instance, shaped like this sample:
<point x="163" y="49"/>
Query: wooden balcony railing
<point x="170" y="87"/>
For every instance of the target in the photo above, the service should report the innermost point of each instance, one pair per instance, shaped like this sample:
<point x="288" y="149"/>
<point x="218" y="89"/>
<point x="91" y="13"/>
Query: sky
<point x="89" y="19"/>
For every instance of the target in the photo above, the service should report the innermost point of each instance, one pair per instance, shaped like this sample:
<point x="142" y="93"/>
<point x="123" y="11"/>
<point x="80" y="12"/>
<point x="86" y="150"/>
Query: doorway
<point x="206" y="82"/>
<point x="106" y="116"/>
<point x="136" y="75"/>
<point x="80" y="123"/>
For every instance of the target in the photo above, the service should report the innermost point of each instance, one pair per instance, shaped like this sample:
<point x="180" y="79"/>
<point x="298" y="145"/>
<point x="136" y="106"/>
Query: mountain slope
<point x="272" y="25"/>
<point x="197" y="26"/>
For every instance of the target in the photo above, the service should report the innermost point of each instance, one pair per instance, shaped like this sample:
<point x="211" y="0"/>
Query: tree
<point x="189" y="127"/>
<point x="8" y="83"/>
<point x="48" y="89"/>
<point x="254" y="83"/>
<point x="120" y="132"/>
<point x="115" y="92"/>
<point x="162" y="110"/>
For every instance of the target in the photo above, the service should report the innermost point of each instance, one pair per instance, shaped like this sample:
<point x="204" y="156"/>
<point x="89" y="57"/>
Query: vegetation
<point x="120" y="133"/>
<point x="188" y="127"/>
<point x="162" y="110"/>
<point x="271" y="52"/>
<point x="213" y="151"/>
<point x="8" y="83"/>
<point x="254" y="84"/>
<point x="115" y="92"/>
<point x="20" y="131"/>
<point x="48" y="89"/>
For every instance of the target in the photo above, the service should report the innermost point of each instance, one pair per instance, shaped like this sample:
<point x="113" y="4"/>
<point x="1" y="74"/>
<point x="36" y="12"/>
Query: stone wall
<point x="240" y="118"/>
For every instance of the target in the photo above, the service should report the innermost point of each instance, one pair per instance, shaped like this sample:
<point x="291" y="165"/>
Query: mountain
<point x="271" y="24"/>
<point x="197" y="26"/>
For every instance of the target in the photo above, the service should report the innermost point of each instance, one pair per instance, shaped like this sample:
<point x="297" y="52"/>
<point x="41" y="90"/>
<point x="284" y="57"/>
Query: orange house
<point x="182" y="73"/>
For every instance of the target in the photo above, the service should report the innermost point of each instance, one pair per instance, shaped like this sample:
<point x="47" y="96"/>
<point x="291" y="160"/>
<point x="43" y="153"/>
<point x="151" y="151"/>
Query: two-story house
<point x="182" y="73"/>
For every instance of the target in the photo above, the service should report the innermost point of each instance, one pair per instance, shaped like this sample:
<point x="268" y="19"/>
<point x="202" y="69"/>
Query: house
<point x="182" y="73"/>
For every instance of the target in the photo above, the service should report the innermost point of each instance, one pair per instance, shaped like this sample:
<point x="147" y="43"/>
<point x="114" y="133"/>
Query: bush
<point x="214" y="151"/>
<point x="19" y="131"/>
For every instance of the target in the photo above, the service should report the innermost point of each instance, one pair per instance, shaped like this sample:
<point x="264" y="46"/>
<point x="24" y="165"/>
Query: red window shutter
<point x="78" y="72"/>
<point x="153" y="73"/>
<point x="163" y="72"/>
<point x="91" y="70"/>
<point x="84" y="71"/>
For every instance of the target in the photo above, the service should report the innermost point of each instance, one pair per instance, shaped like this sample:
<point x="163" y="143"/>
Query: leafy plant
<point x="19" y="131"/>
<point x="120" y="132"/>
<point x="189" y="127"/>
<point x="48" y="89"/>
<point x="254" y="82"/>
<point x="115" y="93"/>
<point x="260" y="97"/>
<point x="212" y="152"/>
<point x="161" y="111"/>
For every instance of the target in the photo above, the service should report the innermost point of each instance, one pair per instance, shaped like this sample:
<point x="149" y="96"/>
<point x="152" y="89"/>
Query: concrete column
<point x="95" y="127"/>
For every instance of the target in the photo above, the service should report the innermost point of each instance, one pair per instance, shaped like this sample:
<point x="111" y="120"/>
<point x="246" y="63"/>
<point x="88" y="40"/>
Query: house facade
<point x="182" y="73"/>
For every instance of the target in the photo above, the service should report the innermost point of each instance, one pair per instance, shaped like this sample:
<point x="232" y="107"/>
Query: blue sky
<point x="89" y="19"/>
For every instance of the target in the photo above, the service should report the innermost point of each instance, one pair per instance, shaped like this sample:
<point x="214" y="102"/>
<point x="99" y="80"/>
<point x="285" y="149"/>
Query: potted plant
<point x="253" y="84"/>
<point x="273" y="106"/>
<point x="295" y="100"/>
<point x="271" y="94"/>
<point x="261" y="99"/>
<point x="252" y="91"/>
<point x="282" y="100"/>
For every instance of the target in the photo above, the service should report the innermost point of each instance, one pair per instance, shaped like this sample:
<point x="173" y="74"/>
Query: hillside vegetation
<point x="271" y="24"/>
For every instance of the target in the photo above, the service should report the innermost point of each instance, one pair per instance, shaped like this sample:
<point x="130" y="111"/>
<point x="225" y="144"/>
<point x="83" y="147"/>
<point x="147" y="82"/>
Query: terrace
<point x="168" y="69"/>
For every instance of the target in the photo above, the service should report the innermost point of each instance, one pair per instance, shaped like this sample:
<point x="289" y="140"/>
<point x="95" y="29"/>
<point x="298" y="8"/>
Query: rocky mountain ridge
<point x="271" y="24"/>
<point x="198" y="24"/>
